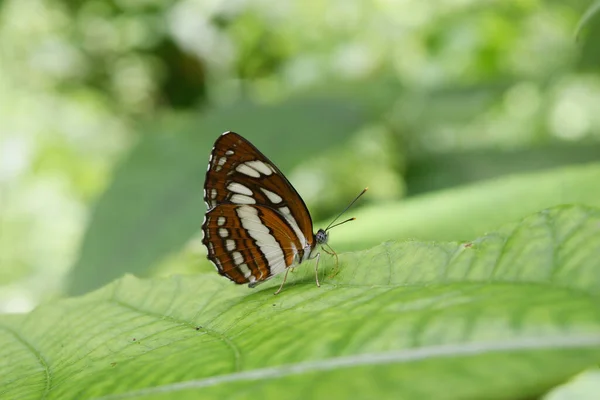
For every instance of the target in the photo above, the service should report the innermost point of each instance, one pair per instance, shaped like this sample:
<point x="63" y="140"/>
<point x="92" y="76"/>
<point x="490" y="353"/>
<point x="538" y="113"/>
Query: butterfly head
<point x="322" y="236"/>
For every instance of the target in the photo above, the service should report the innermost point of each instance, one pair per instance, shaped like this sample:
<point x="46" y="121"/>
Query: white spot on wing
<point x="223" y="232"/>
<point x="217" y="264"/>
<point x="274" y="197"/>
<point x="222" y="161"/>
<point x="246" y="170"/>
<point x="242" y="199"/>
<point x="229" y="152"/>
<point x="239" y="188"/>
<point x="245" y="270"/>
<point x="213" y="194"/>
<point x="210" y="160"/>
<point x="260" y="167"/>
<point x="210" y="157"/>
<point x="230" y="245"/>
<point x="237" y="257"/>
<point x="221" y="221"/>
<point x="206" y="202"/>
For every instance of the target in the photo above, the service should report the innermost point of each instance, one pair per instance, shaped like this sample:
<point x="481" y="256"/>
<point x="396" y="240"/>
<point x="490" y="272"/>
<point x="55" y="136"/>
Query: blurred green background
<point x="109" y="109"/>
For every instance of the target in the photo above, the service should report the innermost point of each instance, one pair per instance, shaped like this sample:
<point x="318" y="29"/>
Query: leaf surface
<point x="510" y="314"/>
<point x="471" y="210"/>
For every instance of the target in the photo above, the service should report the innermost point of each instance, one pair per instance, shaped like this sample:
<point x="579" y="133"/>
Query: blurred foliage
<point x="461" y="213"/>
<point x="452" y="169"/>
<point x="589" y="27"/>
<point x="108" y="110"/>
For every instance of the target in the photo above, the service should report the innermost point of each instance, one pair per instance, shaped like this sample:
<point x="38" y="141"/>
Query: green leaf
<point x="509" y="315"/>
<point x="585" y="386"/>
<point x="592" y="12"/>
<point x="154" y="204"/>
<point x="590" y="22"/>
<point x="440" y="171"/>
<point x="470" y="210"/>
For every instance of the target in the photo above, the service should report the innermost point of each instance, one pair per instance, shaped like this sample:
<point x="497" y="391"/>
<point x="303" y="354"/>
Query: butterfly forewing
<point x="256" y="224"/>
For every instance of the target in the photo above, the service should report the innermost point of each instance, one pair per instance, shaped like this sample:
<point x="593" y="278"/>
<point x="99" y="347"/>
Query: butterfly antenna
<point x="331" y="225"/>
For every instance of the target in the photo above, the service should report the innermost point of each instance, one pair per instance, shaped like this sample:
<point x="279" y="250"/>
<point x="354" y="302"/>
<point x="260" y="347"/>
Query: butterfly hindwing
<point x="249" y="243"/>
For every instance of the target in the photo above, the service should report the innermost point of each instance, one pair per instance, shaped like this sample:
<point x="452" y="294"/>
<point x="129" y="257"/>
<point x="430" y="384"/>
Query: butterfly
<point x="256" y="224"/>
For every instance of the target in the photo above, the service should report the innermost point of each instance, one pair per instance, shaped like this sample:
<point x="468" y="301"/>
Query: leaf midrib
<point x="371" y="359"/>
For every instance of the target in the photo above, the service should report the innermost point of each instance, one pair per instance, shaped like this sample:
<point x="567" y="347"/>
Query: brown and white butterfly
<point x="256" y="225"/>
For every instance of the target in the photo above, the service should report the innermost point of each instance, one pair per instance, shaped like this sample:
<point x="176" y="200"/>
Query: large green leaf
<point x="440" y="171"/>
<point x="470" y="210"/>
<point x="590" y="14"/>
<point x="586" y="386"/>
<point x="509" y="315"/>
<point x="590" y="22"/>
<point x="154" y="203"/>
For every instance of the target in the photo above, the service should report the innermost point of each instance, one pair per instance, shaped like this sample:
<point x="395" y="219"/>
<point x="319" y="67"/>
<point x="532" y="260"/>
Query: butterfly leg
<point x="337" y="261"/>
<point x="284" y="278"/>
<point x="317" y="269"/>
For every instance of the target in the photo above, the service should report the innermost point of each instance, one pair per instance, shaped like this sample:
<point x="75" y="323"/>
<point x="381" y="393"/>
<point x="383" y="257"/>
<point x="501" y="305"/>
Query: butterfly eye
<point x="322" y="236"/>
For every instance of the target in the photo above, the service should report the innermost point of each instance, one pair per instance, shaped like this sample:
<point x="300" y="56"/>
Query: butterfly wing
<point x="242" y="179"/>
<point x="249" y="243"/>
